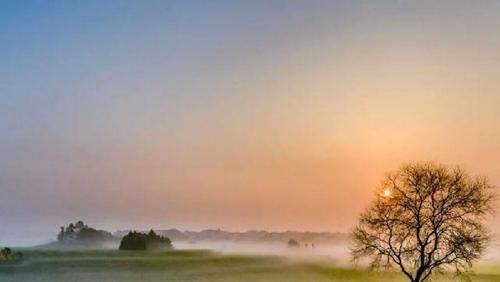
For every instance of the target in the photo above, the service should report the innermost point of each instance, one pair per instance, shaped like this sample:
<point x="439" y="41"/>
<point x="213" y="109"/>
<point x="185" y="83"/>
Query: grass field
<point x="189" y="265"/>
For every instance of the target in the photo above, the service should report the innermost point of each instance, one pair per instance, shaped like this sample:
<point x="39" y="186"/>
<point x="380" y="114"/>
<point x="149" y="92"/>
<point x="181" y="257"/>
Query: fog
<point x="338" y="253"/>
<point x="332" y="252"/>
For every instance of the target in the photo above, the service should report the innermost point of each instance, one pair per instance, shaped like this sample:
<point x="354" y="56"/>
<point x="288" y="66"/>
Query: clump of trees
<point x="426" y="218"/>
<point x="79" y="234"/>
<point x="142" y="241"/>
<point x="7" y="255"/>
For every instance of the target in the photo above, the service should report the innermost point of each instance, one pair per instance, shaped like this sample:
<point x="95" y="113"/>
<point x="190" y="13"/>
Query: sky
<point x="276" y="115"/>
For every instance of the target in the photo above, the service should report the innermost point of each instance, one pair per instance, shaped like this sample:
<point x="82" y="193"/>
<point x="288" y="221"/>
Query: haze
<point x="276" y="115"/>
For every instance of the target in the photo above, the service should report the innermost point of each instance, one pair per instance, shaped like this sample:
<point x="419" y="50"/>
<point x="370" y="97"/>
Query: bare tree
<point x="425" y="218"/>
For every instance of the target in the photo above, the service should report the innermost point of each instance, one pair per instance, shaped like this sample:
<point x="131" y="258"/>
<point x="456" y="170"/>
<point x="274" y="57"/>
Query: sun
<point x="387" y="193"/>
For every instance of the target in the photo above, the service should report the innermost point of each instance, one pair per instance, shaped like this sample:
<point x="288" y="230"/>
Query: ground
<point x="189" y="265"/>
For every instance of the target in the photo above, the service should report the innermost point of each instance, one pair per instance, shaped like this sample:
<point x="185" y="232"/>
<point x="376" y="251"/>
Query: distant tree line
<point x="249" y="236"/>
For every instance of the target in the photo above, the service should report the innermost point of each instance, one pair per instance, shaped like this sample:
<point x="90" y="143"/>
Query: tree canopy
<point x="142" y="241"/>
<point x="81" y="235"/>
<point x="425" y="218"/>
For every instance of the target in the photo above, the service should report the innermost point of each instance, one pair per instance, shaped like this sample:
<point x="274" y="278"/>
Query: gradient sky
<point x="235" y="114"/>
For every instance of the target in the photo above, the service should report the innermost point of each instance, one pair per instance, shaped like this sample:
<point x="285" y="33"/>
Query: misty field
<point x="189" y="265"/>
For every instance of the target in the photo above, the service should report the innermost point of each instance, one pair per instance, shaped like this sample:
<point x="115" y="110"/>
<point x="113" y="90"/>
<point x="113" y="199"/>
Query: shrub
<point x="6" y="255"/>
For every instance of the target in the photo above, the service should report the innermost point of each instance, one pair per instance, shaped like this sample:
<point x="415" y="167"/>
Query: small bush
<point x="6" y="255"/>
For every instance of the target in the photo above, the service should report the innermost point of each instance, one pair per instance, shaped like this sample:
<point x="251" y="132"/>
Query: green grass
<point x="184" y="265"/>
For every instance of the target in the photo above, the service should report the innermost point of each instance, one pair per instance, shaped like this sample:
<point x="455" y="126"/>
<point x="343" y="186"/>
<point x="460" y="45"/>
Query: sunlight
<point x="387" y="193"/>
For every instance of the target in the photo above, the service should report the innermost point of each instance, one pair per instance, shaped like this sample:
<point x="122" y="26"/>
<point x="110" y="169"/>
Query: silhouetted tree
<point x="81" y="235"/>
<point x="60" y="236"/>
<point x="91" y="236"/>
<point x="79" y="225"/>
<point x="151" y="234"/>
<point x="133" y="241"/>
<point x="425" y="217"/>
<point x="140" y="241"/>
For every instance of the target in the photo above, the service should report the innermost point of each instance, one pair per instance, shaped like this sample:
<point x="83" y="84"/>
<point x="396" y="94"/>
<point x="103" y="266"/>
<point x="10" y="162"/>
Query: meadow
<point x="192" y="265"/>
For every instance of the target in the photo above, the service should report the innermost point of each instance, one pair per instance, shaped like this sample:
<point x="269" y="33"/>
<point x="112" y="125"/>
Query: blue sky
<point x="203" y="114"/>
